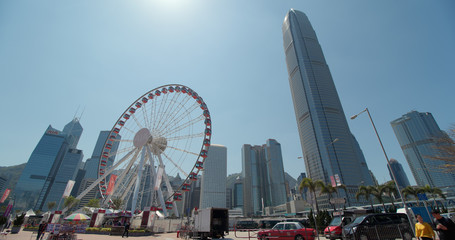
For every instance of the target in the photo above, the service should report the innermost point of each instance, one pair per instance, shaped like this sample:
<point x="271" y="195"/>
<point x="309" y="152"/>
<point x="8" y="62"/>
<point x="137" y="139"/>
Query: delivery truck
<point x="206" y="223"/>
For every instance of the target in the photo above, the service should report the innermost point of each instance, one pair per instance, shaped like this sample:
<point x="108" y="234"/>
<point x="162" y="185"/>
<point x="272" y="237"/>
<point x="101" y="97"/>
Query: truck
<point x="206" y="223"/>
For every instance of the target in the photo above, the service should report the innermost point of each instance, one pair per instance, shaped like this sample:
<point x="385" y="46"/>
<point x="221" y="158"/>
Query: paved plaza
<point x="26" y="235"/>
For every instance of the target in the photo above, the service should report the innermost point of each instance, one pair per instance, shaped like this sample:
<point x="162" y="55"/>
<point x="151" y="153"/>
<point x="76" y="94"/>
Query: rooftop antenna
<point x="77" y="110"/>
<point x="82" y="113"/>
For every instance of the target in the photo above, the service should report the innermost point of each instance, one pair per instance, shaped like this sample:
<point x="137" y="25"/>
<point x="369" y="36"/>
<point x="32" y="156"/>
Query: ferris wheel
<point x="165" y="133"/>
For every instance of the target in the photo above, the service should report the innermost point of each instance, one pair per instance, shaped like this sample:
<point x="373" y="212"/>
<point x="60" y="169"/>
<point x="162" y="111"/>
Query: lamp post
<point x="388" y="162"/>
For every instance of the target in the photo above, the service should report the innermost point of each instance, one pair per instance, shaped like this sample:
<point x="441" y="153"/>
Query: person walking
<point x="126" y="230"/>
<point x="423" y="230"/>
<point x="41" y="230"/>
<point x="444" y="226"/>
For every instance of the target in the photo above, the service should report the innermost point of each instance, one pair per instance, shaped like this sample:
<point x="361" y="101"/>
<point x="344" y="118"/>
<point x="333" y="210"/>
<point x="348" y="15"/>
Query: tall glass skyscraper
<point x="263" y="177"/>
<point x="320" y="116"/>
<point x="213" y="184"/>
<point x="44" y="165"/>
<point x="398" y="171"/>
<point x="416" y="133"/>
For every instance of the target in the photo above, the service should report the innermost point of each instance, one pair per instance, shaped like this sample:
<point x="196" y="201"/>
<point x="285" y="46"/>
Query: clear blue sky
<point x="60" y="57"/>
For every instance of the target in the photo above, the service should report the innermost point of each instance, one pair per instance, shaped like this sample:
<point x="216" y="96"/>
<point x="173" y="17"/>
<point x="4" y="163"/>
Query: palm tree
<point x="366" y="192"/>
<point x="51" y="205"/>
<point x="391" y="190"/>
<point x="329" y="190"/>
<point x="70" y="202"/>
<point x="308" y="183"/>
<point x="116" y="203"/>
<point x="409" y="190"/>
<point x="378" y="192"/>
<point x="433" y="192"/>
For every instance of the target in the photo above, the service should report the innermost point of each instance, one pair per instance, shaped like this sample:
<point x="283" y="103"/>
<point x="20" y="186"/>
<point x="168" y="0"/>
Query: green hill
<point x="11" y="174"/>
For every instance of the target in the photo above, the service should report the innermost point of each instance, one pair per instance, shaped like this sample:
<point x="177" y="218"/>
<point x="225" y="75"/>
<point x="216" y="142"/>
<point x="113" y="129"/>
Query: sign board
<point x="337" y="200"/>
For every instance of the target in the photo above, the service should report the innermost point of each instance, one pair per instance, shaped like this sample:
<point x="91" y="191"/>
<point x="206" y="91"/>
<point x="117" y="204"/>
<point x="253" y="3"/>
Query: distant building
<point x="416" y="133"/>
<point x="41" y="170"/>
<point x="329" y="149"/>
<point x="213" y="184"/>
<point x="263" y="177"/>
<point x="3" y="182"/>
<point x="238" y="194"/>
<point x="400" y="175"/>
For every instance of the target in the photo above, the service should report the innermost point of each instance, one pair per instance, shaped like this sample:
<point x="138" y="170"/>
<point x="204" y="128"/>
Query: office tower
<point x="56" y="182"/>
<point x="263" y="177"/>
<point x="328" y="148"/>
<point x="47" y="153"/>
<point x="400" y="175"/>
<point x="213" y="183"/>
<point x="238" y="194"/>
<point x="416" y="133"/>
<point x="92" y="164"/>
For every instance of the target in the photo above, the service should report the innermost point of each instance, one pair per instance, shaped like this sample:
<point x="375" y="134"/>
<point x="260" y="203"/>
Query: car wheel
<point x="299" y="237"/>
<point x="363" y="237"/>
<point x="407" y="236"/>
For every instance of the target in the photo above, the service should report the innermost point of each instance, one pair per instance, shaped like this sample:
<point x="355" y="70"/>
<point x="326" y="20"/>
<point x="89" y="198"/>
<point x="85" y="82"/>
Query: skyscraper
<point x="53" y="161"/>
<point x="400" y="175"/>
<point x="213" y="184"/>
<point x="416" y="133"/>
<point x="328" y="147"/>
<point x="263" y="177"/>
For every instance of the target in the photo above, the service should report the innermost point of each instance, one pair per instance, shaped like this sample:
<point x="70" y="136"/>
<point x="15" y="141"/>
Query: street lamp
<point x="387" y="158"/>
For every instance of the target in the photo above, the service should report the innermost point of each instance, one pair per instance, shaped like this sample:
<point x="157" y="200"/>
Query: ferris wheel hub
<point x="159" y="144"/>
<point x="142" y="137"/>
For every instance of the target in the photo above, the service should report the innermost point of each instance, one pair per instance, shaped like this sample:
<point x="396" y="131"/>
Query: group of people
<point x="445" y="228"/>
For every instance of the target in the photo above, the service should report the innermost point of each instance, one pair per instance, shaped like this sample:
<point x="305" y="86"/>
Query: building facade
<point x="328" y="147"/>
<point x="416" y="133"/>
<point x="213" y="184"/>
<point x="263" y="177"/>
<point x="53" y="161"/>
<point x="398" y="171"/>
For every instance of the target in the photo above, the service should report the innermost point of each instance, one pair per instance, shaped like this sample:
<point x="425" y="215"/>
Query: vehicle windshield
<point x="358" y="220"/>
<point x="336" y="221"/>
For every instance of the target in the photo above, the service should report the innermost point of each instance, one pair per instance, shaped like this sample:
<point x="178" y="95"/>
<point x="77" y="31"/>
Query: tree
<point x="70" y="202"/>
<point x="308" y="183"/>
<point x="117" y="203"/>
<point x="377" y="192"/>
<point x="433" y="192"/>
<point x="366" y="192"/>
<point x="445" y="146"/>
<point x="391" y="191"/>
<point x="329" y="190"/>
<point x="94" y="203"/>
<point x="51" y="205"/>
<point x="409" y="190"/>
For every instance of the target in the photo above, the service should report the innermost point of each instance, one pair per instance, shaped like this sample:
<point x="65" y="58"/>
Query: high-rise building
<point x="213" y="184"/>
<point x="52" y="162"/>
<point x="398" y="171"/>
<point x="238" y="194"/>
<point x="92" y="164"/>
<point x="328" y="147"/>
<point x="56" y="182"/>
<point x="416" y="133"/>
<point x="3" y="182"/>
<point x="263" y="177"/>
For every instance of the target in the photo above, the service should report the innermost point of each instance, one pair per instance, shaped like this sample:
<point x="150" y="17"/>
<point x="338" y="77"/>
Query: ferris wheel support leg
<point x="120" y="178"/>
<point x="138" y="181"/>
<point x="169" y="187"/>
<point x="156" y="183"/>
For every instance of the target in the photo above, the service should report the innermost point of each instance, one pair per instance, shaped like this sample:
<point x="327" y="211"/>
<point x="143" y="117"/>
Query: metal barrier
<point x="378" y="232"/>
<point x="249" y="231"/>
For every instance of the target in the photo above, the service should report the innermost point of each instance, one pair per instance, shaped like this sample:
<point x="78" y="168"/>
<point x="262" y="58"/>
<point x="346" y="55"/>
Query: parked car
<point x="335" y="228"/>
<point x="268" y="223"/>
<point x="289" y="231"/>
<point x="246" y="224"/>
<point x="379" y="226"/>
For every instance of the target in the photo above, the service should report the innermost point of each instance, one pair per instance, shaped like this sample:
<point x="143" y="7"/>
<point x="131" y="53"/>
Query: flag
<point x="332" y="180"/>
<point x="111" y="185"/>
<point x="69" y="187"/>
<point x="8" y="208"/>
<point x="159" y="176"/>
<point x="5" y="195"/>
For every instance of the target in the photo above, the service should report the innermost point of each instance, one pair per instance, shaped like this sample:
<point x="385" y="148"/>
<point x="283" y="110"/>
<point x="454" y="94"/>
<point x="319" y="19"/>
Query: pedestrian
<point x="423" y="230"/>
<point x="127" y="228"/>
<point x="41" y="229"/>
<point x="444" y="226"/>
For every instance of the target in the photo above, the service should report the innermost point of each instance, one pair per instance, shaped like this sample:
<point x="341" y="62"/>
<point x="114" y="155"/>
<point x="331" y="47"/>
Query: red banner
<point x="5" y="195"/>
<point x="111" y="184"/>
